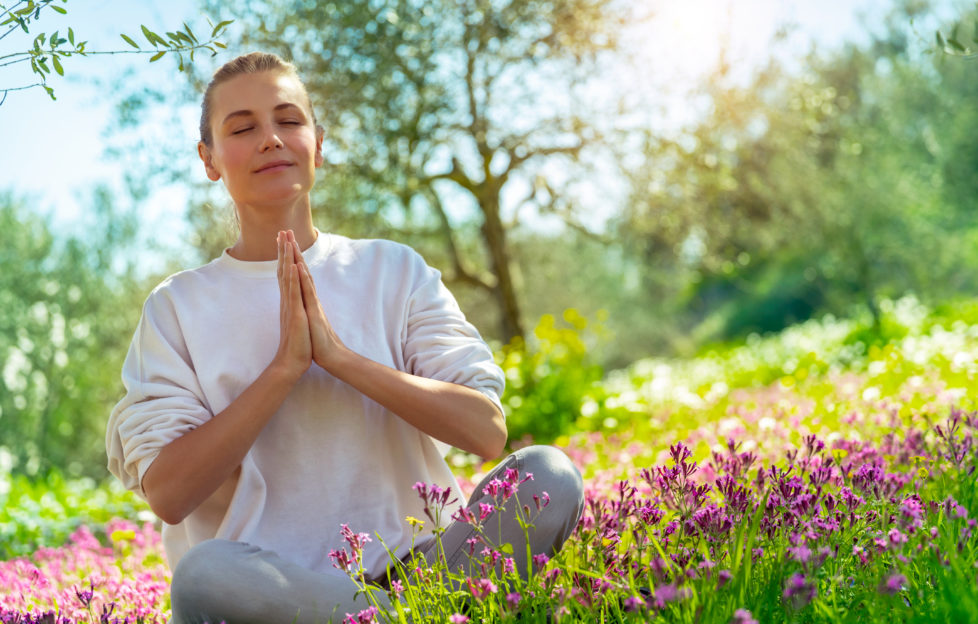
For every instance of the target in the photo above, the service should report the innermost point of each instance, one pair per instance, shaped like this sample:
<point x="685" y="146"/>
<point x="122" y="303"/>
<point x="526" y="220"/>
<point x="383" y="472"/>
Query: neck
<point x="260" y="227"/>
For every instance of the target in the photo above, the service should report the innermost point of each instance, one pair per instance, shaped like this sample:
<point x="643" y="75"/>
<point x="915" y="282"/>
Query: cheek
<point x="233" y="158"/>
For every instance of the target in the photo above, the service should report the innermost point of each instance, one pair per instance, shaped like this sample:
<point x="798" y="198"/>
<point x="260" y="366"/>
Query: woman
<point x="301" y="381"/>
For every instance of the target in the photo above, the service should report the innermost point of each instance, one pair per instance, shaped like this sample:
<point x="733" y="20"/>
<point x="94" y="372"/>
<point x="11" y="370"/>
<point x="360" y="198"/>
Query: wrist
<point x="339" y="360"/>
<point x="284" y="372"/>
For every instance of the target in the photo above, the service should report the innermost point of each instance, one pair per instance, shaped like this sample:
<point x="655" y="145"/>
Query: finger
<point x="302" y="263"/>
<point x="309" y="299"/>
<point x="295" y="292"/>
<point x="280" y="251"/>
<point x="289" y="258"/>
<point x="280" y="274"/>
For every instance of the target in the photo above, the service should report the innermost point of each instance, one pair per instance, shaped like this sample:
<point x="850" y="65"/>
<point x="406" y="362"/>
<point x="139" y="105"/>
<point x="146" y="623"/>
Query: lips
<point x="276" y="165"/>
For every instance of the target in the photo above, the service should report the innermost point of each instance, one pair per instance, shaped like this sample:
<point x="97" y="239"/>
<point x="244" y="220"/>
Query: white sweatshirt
<point x="329" y="455"/>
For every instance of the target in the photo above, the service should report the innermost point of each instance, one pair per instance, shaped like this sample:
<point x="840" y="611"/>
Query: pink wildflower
<point x="743" y="616"/>
<point x="482" y="588"/>
<point x="367" y="616"/>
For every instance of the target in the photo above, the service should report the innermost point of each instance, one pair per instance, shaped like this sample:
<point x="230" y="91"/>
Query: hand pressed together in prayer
<point x="306" y="334"/>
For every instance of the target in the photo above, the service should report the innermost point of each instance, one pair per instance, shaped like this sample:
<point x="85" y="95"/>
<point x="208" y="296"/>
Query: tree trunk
<point x="505" y="293"/>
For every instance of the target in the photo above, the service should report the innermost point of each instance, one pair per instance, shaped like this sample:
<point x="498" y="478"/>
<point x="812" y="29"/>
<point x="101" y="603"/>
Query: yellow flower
<point x="414" y="521"/>
<point x="123" y="535"/>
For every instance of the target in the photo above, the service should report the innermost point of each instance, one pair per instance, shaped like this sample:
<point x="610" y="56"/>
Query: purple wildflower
<point x="633" y="603"/>
<point x="485" y="510"/>
<point x="481" y="588"/>
<point x="801" y="553"/>
<point x="800" y="591"/>
<point x="435" y="498"/>
<point x="367" y="616"/>
<point x="665" y="594"/>
<point x="542" y="500"/>
<point x="723" y="577"/>
<point x="743" y="616"/>
<point x="500" y="490"/>
<point x="509" y="565"/>
<point x="85" y="596"/>
<point x="896" y="538"/>
<point x="894" y="584"/>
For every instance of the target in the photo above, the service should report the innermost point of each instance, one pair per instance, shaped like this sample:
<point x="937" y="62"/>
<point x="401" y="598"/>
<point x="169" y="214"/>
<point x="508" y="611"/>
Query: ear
<point x="205" y="155"/>
<point x="320" y="134"/>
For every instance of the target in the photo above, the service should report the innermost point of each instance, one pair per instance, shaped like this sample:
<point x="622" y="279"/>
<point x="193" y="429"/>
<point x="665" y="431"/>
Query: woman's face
<point x="265" y="146"/>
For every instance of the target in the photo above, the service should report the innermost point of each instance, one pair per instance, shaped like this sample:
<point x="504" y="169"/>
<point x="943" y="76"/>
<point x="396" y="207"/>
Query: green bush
<point x="553" y="378"/>
<point x="38" y="512"/>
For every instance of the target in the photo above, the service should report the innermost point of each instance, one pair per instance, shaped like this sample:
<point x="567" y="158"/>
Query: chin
<point x="284" y="194"/>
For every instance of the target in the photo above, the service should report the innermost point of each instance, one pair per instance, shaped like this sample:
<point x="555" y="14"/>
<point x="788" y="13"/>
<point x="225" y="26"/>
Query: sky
<point x="55" y="149"/>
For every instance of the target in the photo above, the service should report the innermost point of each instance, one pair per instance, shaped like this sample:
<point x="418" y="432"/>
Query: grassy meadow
<point x="821" y="474"/>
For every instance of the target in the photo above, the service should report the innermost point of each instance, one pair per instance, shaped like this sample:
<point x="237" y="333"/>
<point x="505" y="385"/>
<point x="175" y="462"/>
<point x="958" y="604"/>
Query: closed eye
<point x="241" y="130"/>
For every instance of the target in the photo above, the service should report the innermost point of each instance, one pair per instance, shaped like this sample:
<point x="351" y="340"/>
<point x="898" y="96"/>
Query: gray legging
<point x="237" y="583"/>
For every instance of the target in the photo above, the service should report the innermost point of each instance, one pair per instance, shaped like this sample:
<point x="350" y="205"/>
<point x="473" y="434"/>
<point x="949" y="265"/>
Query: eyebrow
<point x="247" y="113"/>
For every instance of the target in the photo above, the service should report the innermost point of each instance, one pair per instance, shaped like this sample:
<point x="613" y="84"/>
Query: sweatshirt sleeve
<point x="163" y="396"/>
<point x="440" y="343"/>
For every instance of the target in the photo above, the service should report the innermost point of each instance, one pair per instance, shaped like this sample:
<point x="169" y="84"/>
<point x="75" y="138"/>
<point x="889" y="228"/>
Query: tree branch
<point x="456" y="175"/>
<point x="515" y="161"/>
<point x="460" y="273"/>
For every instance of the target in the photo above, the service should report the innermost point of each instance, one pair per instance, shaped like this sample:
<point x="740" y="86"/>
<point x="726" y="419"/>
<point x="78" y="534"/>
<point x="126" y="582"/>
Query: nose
<point x="270" y="141"/>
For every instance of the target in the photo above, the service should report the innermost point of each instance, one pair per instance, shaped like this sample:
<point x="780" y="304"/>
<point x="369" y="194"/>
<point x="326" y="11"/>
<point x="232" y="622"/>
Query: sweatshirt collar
<point x="315" y="254"/>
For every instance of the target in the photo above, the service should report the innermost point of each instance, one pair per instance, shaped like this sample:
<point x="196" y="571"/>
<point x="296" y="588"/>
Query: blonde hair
<point x="251" y="63"/>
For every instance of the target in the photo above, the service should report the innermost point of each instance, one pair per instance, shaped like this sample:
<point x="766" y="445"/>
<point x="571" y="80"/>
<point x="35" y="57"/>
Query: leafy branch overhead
<point x="441" y="114"/>
<point x="951" y="44"/>
<point x="48" y="50"/>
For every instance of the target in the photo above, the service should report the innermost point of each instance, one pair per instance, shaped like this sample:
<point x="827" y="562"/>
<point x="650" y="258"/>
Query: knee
<point x="554" y="473"/>
<point x="195" y="575"/>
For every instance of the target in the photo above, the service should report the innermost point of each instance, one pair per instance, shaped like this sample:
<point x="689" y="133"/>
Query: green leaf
<point x="220" y="26"/>
<point x="940" y="39"/>
<point x="157" y="56"/>
<point x="152" y="37"/>
<point x="50" y="92"/>
<point x="956" y="45"/>
<point x="60" y="10"/>
<point x="220" y="45"/>
<point x="189" y="32"/>
<point x="71" y="36"/>
<point x="53" y="40"/>
<point x="57" y="66"/>
<point x="130" y="41"/>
